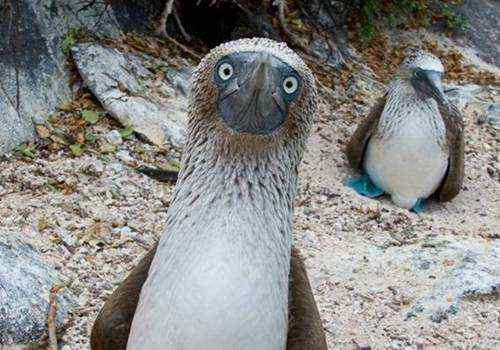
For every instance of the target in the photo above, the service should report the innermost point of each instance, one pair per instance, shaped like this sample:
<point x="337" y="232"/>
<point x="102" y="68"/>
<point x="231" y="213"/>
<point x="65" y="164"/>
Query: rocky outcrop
<point x="492" y="115"/>
<point x="128" y="91"/>
<point x="482" y="32"/>
<point x="475" y="273"/>
<point x="25" y="283"/>
<point x="34" y="79"/>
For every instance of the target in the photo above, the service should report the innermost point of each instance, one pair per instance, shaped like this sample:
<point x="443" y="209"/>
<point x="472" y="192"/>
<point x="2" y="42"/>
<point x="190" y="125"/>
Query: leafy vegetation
<point x="90" y="116"/>
<point x="408" y="13"/>
<point x="25" y="150"/>
<point x="73" y="35"/>
<point x="453" y="21"/>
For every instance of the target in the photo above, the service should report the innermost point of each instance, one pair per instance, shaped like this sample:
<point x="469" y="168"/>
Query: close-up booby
<point x="223" y="275"/>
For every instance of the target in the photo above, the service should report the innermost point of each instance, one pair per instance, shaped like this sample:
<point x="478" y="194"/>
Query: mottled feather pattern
<point x="403" y="103"/>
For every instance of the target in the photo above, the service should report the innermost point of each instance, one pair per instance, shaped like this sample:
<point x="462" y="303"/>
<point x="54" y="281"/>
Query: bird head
<point x="253" y="89"/>
<point x="425" y="72"/>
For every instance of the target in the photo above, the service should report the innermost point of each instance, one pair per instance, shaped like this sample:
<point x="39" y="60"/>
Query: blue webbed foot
<point x="364" y="186"/>
<point x="420" y="206"/>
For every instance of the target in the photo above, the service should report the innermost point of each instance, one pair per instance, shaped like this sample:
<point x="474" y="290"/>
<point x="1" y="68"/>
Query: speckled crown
<point x="417" y="58"/>
<point x="280" y="50"/>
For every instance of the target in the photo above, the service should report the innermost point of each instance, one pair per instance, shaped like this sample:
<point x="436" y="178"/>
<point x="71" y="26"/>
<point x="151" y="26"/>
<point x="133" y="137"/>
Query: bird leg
<point x="186" y="36"/>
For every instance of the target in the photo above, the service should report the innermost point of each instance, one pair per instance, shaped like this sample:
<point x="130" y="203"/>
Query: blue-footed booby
<point x="411" y="145"/>
<point x="224" y="276"/>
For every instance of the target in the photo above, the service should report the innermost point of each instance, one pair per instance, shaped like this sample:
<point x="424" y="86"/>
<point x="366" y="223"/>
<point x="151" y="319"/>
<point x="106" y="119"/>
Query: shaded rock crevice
<point x="34" y="79"/>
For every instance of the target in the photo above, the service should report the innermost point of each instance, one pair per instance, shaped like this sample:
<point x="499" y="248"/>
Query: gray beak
<point x="430" y="83"/>
<point x="253" y="102"/>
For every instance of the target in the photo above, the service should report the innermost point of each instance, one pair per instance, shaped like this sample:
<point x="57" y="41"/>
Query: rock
<point x="34" y="80"/>
<point x="462" y="95"/>
<point x="332" y="17"/>
<point x="482" y="33"/>
<point x="475" y="272"/>
<point x="116" y="167"/>
<point x="127" y="90"/>
<point x="25" y="283"/>
<point x="67" y="237"/>
<point x="361" y="345"/>
<point x="329" y="54"/>
<point x="114" y="137"/>
<point x="39" y="120"/>
<point x="179" y="79"/>
<point x="125" y="157"/>
<point x="492" y="115"/>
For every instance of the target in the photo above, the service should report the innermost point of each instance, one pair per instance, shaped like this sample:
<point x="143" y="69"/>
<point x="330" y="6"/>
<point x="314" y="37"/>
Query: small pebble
<point x="38" y="120"/>
<point x="114" y="137"/>
<point x="125" y="157"/>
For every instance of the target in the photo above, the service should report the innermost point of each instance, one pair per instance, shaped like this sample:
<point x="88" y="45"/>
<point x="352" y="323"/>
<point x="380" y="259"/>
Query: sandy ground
<point x="93" y="217"/>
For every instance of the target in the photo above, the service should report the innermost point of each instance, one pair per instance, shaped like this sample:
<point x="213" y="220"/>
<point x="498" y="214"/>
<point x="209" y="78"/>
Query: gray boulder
<point x="492" y="115"/>
<point x="462" y="95"/>
<point x="33" y="79"/>
<point x="25" y="283"/>
<point x="482" y="33"/>
<point x="476" y="273"/>
<point x="128" y="91"/>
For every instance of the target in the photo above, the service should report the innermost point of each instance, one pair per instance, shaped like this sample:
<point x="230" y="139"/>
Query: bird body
<point x="220" y="277"/>
<point x="411" y="144"/>
<point x="407" y="155"/>
<point x="229" y="257"/>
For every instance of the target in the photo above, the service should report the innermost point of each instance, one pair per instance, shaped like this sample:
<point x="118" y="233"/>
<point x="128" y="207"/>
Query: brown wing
<point x="112" y="326"/>
<point x="357" y="143"/>
<point x="305" y="330"/>
<point x="453" y="180"/>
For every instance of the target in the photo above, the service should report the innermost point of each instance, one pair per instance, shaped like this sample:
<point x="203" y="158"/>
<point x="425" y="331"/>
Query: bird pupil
<point x="289" y="84"/>
<point x="227" y="71"/>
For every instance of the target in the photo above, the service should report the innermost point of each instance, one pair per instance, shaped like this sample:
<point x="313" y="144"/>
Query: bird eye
<point x="225" y="71"/>
<point x="290" y="84"/>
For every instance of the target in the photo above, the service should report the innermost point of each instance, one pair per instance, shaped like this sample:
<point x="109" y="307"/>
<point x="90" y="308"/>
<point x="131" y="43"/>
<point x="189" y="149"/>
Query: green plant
<point x="76" y="149"/>
<point x="70" y="39"/>
<point x="127" y="132"/>
<point x="67" y="44"/>
<point x="90" y="116"/>
<point x="91" y="137"/>
<point x="453" y="21"/>
<point x="414" y="13"/>
<point x="25" y="150"/>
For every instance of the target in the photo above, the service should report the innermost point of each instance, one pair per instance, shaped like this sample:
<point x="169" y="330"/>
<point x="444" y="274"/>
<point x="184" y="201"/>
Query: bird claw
<point x="364" y="186"/>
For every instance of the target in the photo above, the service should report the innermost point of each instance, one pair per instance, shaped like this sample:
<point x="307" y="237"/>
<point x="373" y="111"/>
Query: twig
<point x="51" y="319"/>
<point x="184" y="48"/>
<point x="86" y="6"/>
<point x="281" y="11"/>
<point x="186" y="36"/>
<point x="162" y="28"/>
<point x="294" y="39"/>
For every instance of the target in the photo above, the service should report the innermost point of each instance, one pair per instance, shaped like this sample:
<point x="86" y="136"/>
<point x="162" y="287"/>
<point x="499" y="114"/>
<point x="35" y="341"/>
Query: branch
<point x="184" y="48"/>
<point x="51" y="319"/>
<point x="162" y="28"/>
